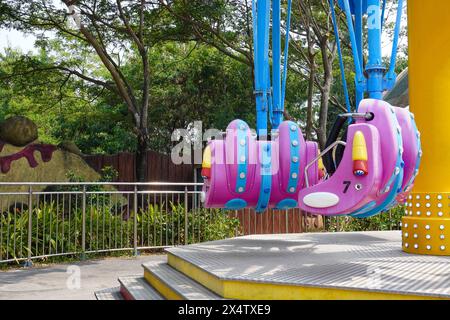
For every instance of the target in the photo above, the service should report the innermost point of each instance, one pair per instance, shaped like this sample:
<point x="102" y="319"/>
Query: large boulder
<point x="18" y="131"/>
<point x="52" y="165"/>
<point x="70" y="146"/>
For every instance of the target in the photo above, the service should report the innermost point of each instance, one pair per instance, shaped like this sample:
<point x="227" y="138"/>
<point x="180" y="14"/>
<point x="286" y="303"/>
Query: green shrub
<point x="55" y="231"/>
<point x="383" y="222"/>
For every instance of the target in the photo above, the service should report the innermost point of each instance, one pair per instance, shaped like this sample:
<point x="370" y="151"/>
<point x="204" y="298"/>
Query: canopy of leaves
<point x="200" y="57"/>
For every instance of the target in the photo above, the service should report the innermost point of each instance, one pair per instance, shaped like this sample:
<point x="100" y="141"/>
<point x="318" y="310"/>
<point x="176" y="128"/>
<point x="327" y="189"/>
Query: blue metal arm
<point x="360" y="79"/>
<point x="383" y="11"/>
<point x="341" y="61"/>
<point x="391" y="76"/>
<point x="269" y="100"/>
<point x="277" y="115"/>
<point x="261" y="19"/>
<point x="359" y="42"/>
<point x="286" y="54"/>
<point x="375" y="80"/>
<point x="375" y="68"/>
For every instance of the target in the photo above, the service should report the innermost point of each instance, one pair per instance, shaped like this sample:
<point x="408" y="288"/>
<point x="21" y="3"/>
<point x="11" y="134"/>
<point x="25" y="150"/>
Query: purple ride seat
<point x="344" y="192"/>
<point x="409" y="162"/>
<point x="287" y="163"/>
<point x="220" y="188"/>
<point x="373" y="190"/>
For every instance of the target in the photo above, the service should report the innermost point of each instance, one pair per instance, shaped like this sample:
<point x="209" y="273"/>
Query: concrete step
<point x="174" y="285"/>
<point x="136" y="288"/>
<point x="109" y="294"/>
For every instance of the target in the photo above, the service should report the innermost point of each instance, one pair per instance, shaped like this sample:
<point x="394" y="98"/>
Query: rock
<point x="70" y="146"/>
<point x="18" y="131"/>
<point x="55" y="170"/>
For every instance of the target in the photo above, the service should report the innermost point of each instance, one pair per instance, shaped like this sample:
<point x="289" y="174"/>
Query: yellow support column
<point x="426" y="226"/>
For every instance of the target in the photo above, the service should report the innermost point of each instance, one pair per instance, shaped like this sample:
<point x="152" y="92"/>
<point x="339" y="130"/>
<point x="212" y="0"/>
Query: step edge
<point x="175" y="291"/>
<point x="217" y="285"/>
<point x="147" y="286"/>
<point x="163" y="289"/>
<point x="111" y="290"/>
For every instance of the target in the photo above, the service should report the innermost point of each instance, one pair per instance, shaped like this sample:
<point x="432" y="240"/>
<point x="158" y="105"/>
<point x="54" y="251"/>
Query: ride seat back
<point x="345" y="191"/>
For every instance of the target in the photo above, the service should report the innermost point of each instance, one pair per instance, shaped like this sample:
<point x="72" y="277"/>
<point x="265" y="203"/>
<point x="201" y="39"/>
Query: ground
<point x="53" y="282"/>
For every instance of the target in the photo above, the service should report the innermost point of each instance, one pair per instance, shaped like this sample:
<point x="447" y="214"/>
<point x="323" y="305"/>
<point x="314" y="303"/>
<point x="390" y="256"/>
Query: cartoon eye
<point x="360" y="173"/>
<point x="358" y="187"/>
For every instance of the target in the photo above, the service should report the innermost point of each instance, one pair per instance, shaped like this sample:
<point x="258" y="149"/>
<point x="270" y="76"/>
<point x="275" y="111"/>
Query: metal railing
<point x="40" y="220"/>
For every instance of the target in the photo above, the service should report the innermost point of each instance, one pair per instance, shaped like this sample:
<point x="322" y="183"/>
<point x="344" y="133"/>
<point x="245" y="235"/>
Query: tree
<point x="111" y="30"/>
<point x="149" y="67"/>
<point x="222" y="24"/>
<point x="314" y="55"/>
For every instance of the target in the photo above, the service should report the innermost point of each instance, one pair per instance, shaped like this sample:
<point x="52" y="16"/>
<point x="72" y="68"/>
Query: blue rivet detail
<point x="242" y="153"/>
<point x="294" y="154"/>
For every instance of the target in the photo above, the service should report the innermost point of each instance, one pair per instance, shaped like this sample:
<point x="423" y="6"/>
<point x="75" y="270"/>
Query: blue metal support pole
<point x="341" y="60"/>
<point x="265" y="39"/>
<point x="375" y="80"/>
<point x="261" y="19"/>
<point x="360" y="79"/>
<point x="277" y="115"/>
<point x="375" y="68"/>
<point x="359" y="42"/>
<point x="391" y="76"/>
<point x="286" y="54"/>
<point x="383" y="11"/>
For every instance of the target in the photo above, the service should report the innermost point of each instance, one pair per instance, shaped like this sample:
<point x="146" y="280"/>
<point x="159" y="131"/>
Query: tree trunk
<point x="323" y="115"/>
<point x="141" y="158"/>
<point x="309" y="109"/>
<point x="327" y="60"/>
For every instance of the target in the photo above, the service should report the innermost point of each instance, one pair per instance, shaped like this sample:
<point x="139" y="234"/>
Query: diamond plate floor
<point x="371" y="261"/>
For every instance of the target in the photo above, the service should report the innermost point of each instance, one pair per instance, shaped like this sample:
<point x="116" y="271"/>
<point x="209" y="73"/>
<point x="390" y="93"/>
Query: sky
<point x="16" y="39"/>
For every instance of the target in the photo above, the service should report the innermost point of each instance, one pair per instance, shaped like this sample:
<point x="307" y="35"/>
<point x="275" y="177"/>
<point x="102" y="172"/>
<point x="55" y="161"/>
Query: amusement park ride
<point x="370" y="170"/>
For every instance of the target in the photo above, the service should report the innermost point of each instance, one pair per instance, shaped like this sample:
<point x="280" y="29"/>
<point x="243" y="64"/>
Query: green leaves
<point x="56" y="229"/>
<point x="383" y="222"/>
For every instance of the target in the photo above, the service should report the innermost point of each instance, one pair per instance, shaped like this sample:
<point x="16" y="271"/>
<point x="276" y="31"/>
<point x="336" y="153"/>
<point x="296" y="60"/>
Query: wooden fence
<point x="160" y="167"/>
<point x="277" y="221"/>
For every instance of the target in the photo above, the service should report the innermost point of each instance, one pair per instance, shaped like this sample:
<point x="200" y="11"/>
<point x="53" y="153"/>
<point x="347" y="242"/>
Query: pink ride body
<point x="393" y="148"/>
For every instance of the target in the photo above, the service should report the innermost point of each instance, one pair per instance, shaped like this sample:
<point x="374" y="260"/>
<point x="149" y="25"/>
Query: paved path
<point x="60" y="281"/>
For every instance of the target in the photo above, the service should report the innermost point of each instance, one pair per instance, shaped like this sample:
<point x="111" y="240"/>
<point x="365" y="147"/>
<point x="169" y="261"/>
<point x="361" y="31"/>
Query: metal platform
<point x="368" y="265"/>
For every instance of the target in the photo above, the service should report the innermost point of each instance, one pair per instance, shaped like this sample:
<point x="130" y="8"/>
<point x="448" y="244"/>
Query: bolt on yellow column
<point x="426" y="226"/>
